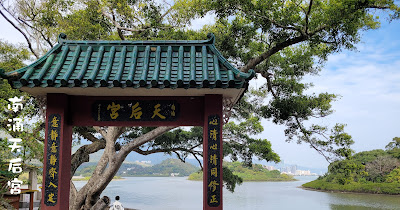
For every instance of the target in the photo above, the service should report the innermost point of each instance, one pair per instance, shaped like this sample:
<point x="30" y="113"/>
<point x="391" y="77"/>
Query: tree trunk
<point x="88" y="197"/>
<point x="101" y="203"/>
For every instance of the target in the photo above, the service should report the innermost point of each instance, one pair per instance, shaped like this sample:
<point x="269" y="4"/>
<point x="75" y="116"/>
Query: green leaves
<point x="240" y="145"/>
<point x="394" y="144"/>
<point x="12" y="57"/>
<point x="301" y="107"/>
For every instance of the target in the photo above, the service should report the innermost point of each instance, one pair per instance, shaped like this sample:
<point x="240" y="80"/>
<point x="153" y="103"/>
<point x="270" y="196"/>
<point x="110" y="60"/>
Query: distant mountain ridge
<point x="159" y="157"/>
<point x="133" y="157"/>
<point x="168" y="167"/>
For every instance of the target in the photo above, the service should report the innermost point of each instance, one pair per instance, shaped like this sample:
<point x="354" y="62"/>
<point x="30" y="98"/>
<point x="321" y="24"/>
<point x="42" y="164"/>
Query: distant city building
<point x="293" y="169"/>
<point x="290" y="170"/>
<point x="144" y="161"/>
<point x="303" y="173"/>
<point x="269" y="168"/>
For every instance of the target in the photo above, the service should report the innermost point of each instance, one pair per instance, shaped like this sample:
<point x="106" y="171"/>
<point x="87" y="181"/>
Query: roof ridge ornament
<point x="211" y="38"/>
<point x="2" y="74"/>
<point x="62" y="37"/>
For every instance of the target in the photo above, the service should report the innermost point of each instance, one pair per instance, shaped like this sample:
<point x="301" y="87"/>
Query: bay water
<point x="178" y="193"/>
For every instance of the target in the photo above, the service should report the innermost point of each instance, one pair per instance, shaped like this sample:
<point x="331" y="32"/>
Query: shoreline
<point x="346" y="192"/>
<point x="87" y="179"/>
<point x="293" y="180"/>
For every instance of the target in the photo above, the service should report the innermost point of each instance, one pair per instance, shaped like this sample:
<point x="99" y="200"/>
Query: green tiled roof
<point x="146" y="64"/>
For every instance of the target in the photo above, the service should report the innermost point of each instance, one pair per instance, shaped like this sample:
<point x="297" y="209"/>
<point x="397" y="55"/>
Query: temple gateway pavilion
<point x="131" y="83"/>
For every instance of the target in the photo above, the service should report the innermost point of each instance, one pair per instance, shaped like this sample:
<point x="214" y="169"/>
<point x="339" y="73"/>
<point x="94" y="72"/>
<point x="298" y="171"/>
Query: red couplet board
<point x="57" y="157"/>
<point x="212" y="153"/>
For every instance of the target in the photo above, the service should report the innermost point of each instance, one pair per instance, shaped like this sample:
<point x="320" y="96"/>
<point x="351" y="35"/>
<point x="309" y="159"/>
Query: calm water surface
<point x="178" y="193"/>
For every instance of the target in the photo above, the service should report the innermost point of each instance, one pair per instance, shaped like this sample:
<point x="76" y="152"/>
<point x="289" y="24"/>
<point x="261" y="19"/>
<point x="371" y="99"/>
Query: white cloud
<point x="200" y="22"/>
<point x="368" y="82"/>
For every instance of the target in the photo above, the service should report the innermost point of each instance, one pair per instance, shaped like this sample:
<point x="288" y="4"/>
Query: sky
<point x="368" y="81"/>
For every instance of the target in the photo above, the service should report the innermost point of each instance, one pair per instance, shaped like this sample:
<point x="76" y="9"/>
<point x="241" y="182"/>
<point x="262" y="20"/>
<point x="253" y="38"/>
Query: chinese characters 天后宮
<point x="136" y="110"/>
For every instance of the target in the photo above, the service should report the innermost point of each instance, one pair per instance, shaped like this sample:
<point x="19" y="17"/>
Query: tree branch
<point x="257" y="60"/>
<point x="144" y="139"/>
<point x="267" y="76"/>
<point x="121" y="36"/>
<point x="89" y="136"/>
<point x="20" y="30"/>
<point x="82" y="154"/>
<point x="308" y="15"/>
<point x="99" y="130"/>
<point x="166" y="13"/>
<point x="148" y="152"/>
<point x="39" y="31"/>
<point x="309" y="141"/>
<point x="278" y="24"/>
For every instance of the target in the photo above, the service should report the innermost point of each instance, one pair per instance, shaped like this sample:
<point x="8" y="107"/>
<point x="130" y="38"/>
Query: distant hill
<point x="254" y="173"/>
<point x="159" y="157"/>
<point x="133" y="157"/>
<point x="165" y="168"/>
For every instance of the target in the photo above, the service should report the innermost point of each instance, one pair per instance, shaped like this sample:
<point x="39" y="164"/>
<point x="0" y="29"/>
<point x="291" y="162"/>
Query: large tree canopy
<point x="283" y="41"/>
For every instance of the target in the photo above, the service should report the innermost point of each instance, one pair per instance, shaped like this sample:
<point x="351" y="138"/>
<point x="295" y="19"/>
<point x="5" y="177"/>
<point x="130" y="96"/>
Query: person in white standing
<point x="117" y="205"/>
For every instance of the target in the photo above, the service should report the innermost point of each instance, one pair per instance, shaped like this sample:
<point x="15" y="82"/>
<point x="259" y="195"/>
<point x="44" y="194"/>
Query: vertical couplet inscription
<point x="52" y="156"/>
<point x="213" y="173"/>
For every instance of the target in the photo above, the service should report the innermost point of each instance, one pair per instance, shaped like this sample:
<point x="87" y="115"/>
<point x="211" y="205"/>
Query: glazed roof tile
<point x="137" y="64"/>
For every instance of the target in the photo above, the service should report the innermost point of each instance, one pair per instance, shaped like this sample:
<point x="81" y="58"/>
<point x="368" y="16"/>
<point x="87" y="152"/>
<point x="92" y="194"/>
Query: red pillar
<point x="212" y="153"/>
<point x="57" y="157"/>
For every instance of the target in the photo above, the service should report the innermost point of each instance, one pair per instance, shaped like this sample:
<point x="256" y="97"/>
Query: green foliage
<point x="240" y="172"/>
<point x="86" y="24"/>
<point x="393" y="176"/>
<point x="5" y="176"/>
<point x="346" y="172"/>
<point x="165" y="168"/>
<point x="196" y="176"/>
<point x="368" y="156"/>
<point x="394" y="153"/>
<point x="86" y="171"/>
<point x="375" y="171"/>
<point x="169" y="166"/>
<point x="256" y="172"/>
<point x="394" y="144"/>
<point x="13" y="57"/>
<point x="241" y="145"/>
<point x="374" y="188"/>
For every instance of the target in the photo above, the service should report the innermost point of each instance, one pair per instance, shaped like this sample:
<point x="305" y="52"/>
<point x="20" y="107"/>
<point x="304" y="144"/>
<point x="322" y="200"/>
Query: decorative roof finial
<point x="62" y="37"/>
<point x="2" y="75"/>
<point x="211" y="37"/>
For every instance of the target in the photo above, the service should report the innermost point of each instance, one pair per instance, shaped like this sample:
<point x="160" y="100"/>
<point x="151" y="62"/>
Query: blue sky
<point x="368" y="81"/>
